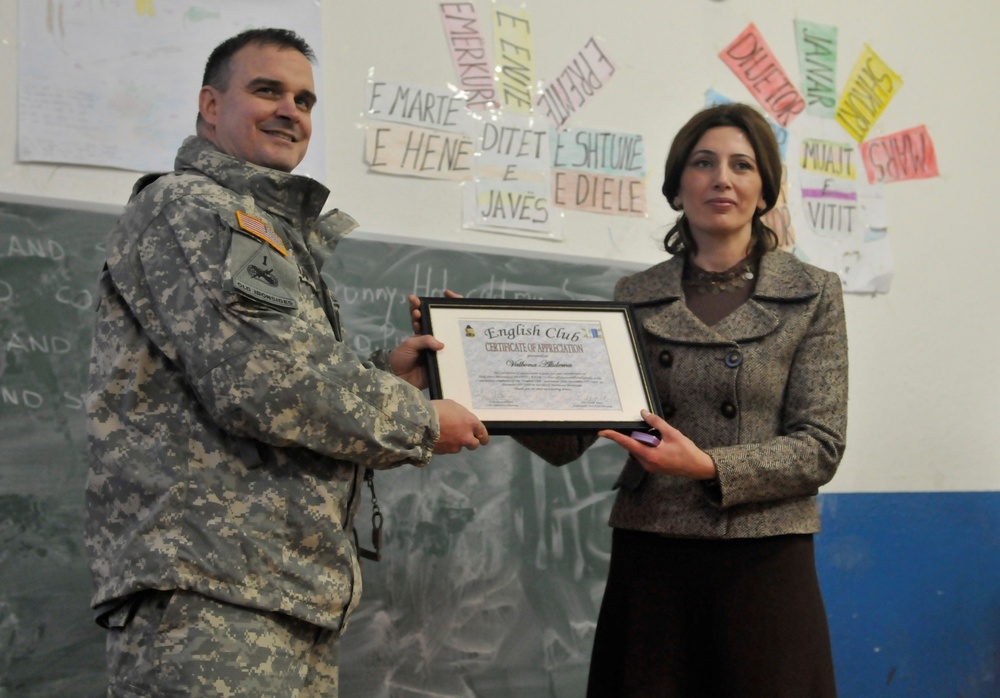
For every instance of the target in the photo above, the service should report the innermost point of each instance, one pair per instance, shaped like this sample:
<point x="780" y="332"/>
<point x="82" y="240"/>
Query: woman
<point x="712" y="589"/>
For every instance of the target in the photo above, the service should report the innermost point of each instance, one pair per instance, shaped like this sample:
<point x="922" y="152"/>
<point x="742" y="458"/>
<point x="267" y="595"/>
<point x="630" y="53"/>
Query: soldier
<point x="230" y="426"/>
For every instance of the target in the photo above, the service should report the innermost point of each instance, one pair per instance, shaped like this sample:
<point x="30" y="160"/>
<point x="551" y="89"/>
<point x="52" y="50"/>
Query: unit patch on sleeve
<point x="261" y="272"/>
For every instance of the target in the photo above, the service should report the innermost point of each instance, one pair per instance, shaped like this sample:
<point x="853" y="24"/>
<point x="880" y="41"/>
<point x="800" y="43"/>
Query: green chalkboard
<point x="494" y="563"/>
<point x="49" y="257"/>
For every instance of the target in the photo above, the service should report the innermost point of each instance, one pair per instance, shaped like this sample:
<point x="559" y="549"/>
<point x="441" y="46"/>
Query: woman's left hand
<point x="676" y="454"/>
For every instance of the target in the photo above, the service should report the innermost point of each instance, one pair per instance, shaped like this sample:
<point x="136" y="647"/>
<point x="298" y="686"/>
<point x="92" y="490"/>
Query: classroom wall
<point x="909" y="556"/>
<point x="922" y="371"/>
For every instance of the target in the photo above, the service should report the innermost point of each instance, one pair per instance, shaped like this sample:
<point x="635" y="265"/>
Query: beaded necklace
<point x="703" y="281"/>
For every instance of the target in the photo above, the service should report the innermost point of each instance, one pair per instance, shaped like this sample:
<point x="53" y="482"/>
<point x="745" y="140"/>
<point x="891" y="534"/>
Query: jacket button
<point x="728" y="410"/>
<point x="668" y="411"/>
<point x="666" y="359"/>
<point x="734" y="358"/>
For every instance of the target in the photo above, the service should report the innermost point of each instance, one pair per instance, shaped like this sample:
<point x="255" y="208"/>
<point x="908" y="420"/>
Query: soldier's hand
<point x="459" y="428"/>
<point x="408" y="361"/>
<point x="415" y="308"/>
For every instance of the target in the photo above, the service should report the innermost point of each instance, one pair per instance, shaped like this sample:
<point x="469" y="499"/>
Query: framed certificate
<point x="531" y="364"/>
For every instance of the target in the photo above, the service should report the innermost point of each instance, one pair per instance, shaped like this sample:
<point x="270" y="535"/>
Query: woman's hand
<point x="676" y="454"/>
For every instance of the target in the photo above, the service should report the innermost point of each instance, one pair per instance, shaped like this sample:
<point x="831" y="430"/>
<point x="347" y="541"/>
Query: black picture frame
<point x="530" y="365"/>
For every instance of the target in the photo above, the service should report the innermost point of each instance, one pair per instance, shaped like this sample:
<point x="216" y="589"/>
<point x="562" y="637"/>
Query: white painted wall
<point x="925" y="393"/>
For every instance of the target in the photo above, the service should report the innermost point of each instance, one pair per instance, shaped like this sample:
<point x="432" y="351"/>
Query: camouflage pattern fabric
<point x="228" y="422"/>
<point x="184" y="644"/>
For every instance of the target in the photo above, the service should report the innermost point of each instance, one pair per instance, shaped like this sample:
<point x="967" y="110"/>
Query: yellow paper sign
<point x="515" y="60"/>
<point x="869" y="89"/>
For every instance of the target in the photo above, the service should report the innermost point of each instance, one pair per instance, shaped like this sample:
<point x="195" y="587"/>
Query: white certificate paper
<point x="539" y="364"/>
<point x="518" y="365"/>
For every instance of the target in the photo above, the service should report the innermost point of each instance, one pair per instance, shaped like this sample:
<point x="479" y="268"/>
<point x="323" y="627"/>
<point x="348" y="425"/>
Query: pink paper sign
<point x="755" y="65"/>
<point x="900" y="156"/>
<point x="469" y="54"/>
<point x="578" y="83"/>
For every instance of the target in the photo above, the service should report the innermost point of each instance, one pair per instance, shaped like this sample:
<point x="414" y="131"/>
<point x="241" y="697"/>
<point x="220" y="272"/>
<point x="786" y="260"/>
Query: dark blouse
<point x="711" y="295"/>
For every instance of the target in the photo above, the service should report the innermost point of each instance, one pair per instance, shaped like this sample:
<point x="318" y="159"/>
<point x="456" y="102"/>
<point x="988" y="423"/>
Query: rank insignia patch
<point x="261" y="230"/>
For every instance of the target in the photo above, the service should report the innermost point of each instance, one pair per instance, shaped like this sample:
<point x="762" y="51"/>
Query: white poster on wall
<point x="115" y="83"/>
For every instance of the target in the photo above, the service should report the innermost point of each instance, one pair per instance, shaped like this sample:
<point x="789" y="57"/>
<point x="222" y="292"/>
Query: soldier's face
<point x="264" y="114"/>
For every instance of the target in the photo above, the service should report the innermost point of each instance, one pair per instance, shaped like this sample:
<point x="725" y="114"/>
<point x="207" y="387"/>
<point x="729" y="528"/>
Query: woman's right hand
<point x="676" y="454"/>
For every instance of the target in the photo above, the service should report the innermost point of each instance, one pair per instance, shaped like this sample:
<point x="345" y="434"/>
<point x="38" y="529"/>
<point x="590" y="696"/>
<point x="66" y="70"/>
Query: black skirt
<point x="685" y="618"/>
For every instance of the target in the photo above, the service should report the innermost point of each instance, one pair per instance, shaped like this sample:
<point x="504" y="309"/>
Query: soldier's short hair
<point x="218" y="68"/>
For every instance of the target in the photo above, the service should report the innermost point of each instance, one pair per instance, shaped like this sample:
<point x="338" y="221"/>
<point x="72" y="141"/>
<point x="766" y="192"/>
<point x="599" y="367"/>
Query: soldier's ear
<point x="208" y="104"/>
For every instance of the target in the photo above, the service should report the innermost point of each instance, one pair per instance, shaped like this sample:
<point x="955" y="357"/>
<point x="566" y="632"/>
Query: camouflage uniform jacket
<point x="228" y="422"/>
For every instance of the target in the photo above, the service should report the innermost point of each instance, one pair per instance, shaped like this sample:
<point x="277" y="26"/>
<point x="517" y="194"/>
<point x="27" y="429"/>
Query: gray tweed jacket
<point x="764" y="392"/>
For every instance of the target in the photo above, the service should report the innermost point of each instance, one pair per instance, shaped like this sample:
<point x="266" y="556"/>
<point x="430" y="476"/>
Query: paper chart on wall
<point x="504" y="135"/>
<point x="115" y="83"/>
<point x="831" y="211"/>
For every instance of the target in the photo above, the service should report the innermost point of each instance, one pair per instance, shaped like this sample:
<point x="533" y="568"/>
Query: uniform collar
<point x="297" y="199"/>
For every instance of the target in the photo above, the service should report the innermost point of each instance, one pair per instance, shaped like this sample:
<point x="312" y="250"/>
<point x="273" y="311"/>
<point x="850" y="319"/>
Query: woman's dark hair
<point x="217" y="68"/>
<point x="765" y="147"/>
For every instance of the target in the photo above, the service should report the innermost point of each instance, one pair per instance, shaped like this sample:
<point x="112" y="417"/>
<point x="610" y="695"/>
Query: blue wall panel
<point x="912" y="587"/>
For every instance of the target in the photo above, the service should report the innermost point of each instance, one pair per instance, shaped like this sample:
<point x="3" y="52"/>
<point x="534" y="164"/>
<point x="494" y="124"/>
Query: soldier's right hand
<point x="459" y="428"/>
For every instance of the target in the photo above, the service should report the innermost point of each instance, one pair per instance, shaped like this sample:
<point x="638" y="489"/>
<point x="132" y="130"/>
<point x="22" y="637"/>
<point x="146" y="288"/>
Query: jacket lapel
<point x="658" y="297"/>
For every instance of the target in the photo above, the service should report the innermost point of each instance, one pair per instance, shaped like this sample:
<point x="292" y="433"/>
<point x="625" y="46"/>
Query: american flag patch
<point x="260" y="229"/>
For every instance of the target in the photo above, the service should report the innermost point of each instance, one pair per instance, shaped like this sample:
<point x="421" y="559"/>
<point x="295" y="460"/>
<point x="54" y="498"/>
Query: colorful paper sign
<point x="900" y="156"/>
<point x="469" y="55"/>
<point x="831" y="205"/>
<point x="406" y="150"/>
<point x="512" y="147"/>
<point x="753" y="62"/>
<point x="598" y="193"/>
<point x="515" y="59"/>
<point x="604" y="152"/>
<point x="576" y="84"/>
<point x="870" y="87"/>
<point x="828" y="158"/>
<point x="417" y="106"/>
<point x="514" y="207"/>
<point x="817" y="45"/>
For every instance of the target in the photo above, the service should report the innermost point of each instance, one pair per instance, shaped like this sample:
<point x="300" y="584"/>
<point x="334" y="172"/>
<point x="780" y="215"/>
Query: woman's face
<point x="721" y="187"/>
